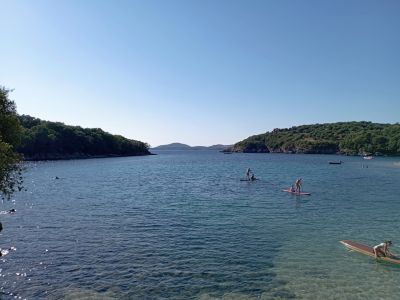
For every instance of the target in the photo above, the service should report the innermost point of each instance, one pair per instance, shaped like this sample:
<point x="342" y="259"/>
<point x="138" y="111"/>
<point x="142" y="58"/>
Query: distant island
<point x="45" y="140"/>
<point x="348" y="138"/>
<point x="179" y="146"/>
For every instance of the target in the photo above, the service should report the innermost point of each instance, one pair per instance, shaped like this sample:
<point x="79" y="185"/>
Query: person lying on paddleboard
<point x="253" y="177"/>
<point x="382" y="249"/>
<point x="298" y="185"/>
<point x="292" y="189"/>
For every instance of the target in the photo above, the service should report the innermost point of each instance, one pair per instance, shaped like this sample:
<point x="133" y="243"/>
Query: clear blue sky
<point x="202" y="72"/>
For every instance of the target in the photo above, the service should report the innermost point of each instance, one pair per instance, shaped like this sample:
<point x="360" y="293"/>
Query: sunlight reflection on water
<point x="182" y="225"/>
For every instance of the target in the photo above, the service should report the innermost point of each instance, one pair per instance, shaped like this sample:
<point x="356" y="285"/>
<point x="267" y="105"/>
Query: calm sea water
<point x="181" y="225"/>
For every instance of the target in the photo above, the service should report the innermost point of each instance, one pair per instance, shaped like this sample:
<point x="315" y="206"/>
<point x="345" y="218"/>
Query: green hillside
<point x="350" y="138"/>
<point x="43" y="140"/>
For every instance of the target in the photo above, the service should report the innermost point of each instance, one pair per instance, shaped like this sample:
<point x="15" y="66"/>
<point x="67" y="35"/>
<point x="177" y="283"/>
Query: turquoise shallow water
<point x="181" y="225"/>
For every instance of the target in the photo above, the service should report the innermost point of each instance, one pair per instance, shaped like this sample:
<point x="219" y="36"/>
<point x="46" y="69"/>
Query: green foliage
<point x="351" y="138"/>
<point x="10" y="134"/>
<point x="54" y="140"/>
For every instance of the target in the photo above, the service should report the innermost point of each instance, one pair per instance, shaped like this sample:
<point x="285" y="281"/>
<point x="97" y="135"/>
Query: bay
<point x="181" y="225"/>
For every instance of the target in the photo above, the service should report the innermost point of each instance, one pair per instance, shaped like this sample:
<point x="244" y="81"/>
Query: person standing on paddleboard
<point x="382" y="249"/>
<point x="248" y="172"/>
<point x="297" y="184"/>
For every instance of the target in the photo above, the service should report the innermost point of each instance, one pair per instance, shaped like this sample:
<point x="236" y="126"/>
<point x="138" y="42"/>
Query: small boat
<point x="368" y="157"/>
<point x="367" y="250"/>
<point x="335" y="162"/>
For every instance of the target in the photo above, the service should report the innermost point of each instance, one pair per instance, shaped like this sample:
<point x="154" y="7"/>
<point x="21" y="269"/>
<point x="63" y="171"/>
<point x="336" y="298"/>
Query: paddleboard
<point x="367" y="250"/>
<point x="297" y="193"/>
<point x="248" y="179"/>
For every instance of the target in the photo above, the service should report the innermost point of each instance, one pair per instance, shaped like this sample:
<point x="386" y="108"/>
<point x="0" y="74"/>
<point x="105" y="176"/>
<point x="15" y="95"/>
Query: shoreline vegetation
<point x="345" y="138"/>
<point x="45" y="140"/>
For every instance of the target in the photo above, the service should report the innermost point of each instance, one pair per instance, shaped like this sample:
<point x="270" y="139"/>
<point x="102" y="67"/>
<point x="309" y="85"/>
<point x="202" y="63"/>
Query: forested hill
<point x="350" y="138"/>
<point x="180" y="146"/>
<point x="42" y="140"/>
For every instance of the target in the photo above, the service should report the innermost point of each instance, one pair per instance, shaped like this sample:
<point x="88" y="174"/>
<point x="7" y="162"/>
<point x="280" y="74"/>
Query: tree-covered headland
<point x="42" y="140"/>
<point x="349" y="138"/>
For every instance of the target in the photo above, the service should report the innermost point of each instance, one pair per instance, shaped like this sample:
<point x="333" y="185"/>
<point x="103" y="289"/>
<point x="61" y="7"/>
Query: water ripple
<point x="182" y="226"/>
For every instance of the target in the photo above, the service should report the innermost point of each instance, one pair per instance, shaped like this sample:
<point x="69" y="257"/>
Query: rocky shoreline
<point x="283" y="151"/>
<point x="56" y="156"/>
